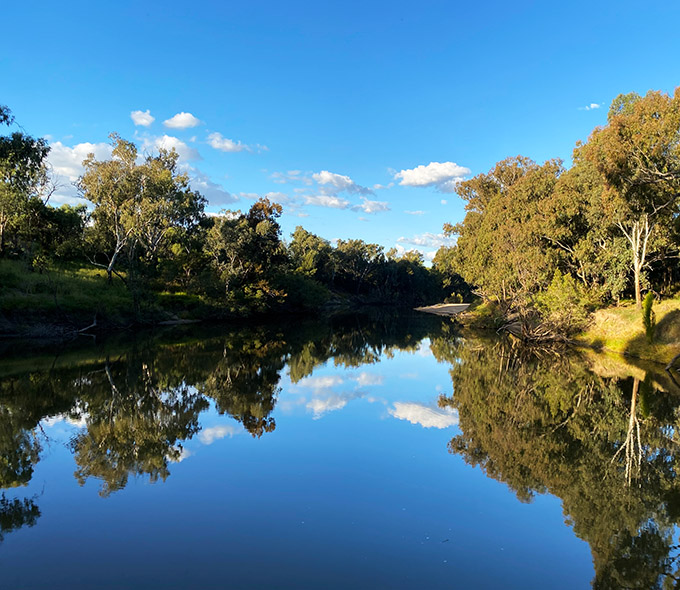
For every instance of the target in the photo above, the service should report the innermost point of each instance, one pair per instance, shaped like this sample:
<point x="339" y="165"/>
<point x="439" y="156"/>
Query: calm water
<point x="366" y="452"/>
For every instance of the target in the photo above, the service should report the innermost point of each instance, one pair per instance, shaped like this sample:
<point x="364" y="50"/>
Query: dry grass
<point x="620" y="329"/>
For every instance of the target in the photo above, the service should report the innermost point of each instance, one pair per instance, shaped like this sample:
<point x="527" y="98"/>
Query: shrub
<point x="563" y="305"/>
<point x="648" y="316"/>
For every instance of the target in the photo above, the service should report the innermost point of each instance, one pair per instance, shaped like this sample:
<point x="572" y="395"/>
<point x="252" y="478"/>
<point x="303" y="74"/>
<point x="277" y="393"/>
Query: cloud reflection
<point x="426" y="416"/>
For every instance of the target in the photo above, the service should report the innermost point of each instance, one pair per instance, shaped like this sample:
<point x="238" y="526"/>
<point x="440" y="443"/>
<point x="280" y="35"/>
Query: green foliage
<point x="563" y="304"/>
<point x="648" y="316"/>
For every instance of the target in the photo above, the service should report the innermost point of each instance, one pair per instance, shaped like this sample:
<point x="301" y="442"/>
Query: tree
<point x="355" y="260"/>
<point x="23" y="175"/>
<point x="247" y="253"/>
<point x="501" y="248"/>
<point x="311" y="254"/>
<point x="137" y="206"/>
<point x="638" y="155"/>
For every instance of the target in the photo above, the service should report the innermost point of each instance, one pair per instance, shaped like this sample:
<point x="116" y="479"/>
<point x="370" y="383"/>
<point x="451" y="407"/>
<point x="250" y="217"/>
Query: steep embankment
<point x="620" y="329"/>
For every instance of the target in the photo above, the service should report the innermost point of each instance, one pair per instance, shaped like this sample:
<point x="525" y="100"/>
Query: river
<point x="364" y="451"/>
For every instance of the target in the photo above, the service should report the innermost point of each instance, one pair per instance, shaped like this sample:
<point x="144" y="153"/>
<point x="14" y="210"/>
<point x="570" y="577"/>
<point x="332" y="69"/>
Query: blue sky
<point x="358" y="116"/>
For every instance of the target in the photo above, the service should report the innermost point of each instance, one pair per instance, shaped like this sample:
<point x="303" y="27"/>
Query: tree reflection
<point x="143" y="401"/>
<point x="602" y="438"/>
<point x="134" y="426"/>
<point x="16" y="513"/>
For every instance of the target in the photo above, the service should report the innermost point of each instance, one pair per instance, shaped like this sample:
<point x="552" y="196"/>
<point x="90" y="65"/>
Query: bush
<point x="563" y="305"/>
<point x="648" y="316"/>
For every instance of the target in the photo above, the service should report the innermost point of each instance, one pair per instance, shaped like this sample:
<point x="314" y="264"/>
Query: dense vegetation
<point x="544" y="245"/>
<point x="145" y="249"/>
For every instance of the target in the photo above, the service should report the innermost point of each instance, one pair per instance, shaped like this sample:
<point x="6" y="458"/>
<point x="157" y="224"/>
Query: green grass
<point x="71" y="294"/>
<point x="65" y="289"/>
<point x="480" y="315"/>
<point x="620" y="329"/>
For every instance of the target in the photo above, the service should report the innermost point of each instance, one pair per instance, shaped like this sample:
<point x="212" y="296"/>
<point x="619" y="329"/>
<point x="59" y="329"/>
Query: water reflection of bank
<point x="597" y="432"/>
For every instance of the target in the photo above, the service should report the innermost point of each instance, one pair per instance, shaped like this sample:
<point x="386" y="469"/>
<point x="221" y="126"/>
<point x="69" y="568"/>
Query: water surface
<point x="370" y="451"/>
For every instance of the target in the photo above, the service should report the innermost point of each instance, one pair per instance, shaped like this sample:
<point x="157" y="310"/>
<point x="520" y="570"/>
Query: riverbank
<point x="619" y="329"/>
<point x="444" y="309"/>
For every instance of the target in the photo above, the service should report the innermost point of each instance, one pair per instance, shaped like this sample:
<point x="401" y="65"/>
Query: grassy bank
<point x="64" y="298"/>
<point x="620" y="329"/>
<point x="616" y="329"/>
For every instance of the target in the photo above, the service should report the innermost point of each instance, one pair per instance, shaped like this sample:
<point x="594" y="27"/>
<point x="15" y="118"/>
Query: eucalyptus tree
<point x="247" y="254"/>
<point x="638" y="155"/>
<point x="23" y="176"/>
<point x="137" y="206"/>
<point x="501" y="247"/>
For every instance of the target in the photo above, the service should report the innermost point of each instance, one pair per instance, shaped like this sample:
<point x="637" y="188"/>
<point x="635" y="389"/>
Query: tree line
<point x="545" y="244"/>
<point x="146" y="227"/>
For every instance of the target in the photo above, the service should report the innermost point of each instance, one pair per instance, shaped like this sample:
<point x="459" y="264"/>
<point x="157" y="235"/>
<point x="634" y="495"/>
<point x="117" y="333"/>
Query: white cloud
<point x="322" y="405"/>
<point x="429" y="240"/>
<point x="444" y="202"/>
<point x="414" y="212"/>
<point x="80" y="422"/>
<point x="183" y="454"/>
<point x="365" y="378"/>
<point x="426" y="416"/>
<point x="443" y="176"/>
<point x="169" y="142"/>
<point x="67" y="165"/>
<point x="67" y="162"/>
<point x="326" y="201"/>
<point x="340" y="183"/>
<point x="590" y="107"/>
<point x="368" y="206"/>
<point x="320" y="384"/>
<point x="142" y="118"/>
<point x="209" y="435"/>
<point x="219" y="142"/>
<point x="182" y="121"/>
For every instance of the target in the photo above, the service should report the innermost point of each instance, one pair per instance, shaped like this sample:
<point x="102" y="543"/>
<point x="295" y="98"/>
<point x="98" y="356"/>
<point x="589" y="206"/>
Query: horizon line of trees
<point x="148" y="228"/>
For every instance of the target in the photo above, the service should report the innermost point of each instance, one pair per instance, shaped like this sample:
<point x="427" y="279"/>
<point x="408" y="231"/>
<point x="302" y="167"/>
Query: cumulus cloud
<point x="426" y="416"/>
<point x="142" y="118"/>
<point x="183" y="454"/>
<point x="363" y="379"/>
<point x="415" y="212"/>
<point x="429" y="240"/>
<point x="335" y="401"/>
<point x="224" y="144"/>
<point x="79" y="422"/>
<point x="182" y="121"/>
<point x="319" y="384"/>
<point x="209" y="435"/>
<point x="368" y="206"/>
<point x="67" y="162"/>
<point x="340" y="183"/>
<point x="331" y="201"/>
<point x="67" y="165"/>
<point x="443" y="176"/>
<point x="590" y="107"/>
<point x="169" y="142"/>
